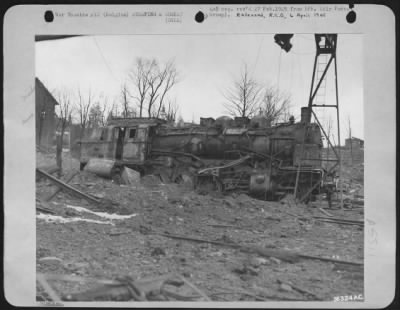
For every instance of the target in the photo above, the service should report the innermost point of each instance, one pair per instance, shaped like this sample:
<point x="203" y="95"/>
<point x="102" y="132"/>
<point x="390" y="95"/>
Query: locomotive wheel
<point x="204" y="184"/>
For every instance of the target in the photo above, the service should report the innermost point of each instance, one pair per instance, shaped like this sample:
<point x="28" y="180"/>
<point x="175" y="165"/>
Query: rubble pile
<point x="221" y="248"/>
<point x="353" y="186"/>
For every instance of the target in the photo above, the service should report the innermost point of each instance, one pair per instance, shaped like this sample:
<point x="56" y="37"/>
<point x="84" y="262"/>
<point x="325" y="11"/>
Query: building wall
<point x="45" y="115"/>
<point x="349" y="156"/>
<point x="75" y="134"/>
<point x="354" y="143"/>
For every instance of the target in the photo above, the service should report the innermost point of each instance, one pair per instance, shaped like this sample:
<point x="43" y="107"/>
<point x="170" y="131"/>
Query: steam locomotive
<point x="240" y="154"/>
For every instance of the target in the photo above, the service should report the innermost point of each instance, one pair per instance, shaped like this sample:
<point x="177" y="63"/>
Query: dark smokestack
<point x="305" y="115"/>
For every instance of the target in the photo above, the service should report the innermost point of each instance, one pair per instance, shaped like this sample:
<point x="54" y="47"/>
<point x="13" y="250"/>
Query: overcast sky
<point x="207" y="64"/>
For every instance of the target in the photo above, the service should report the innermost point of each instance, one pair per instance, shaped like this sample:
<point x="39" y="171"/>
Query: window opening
<point x="132" y="133"/>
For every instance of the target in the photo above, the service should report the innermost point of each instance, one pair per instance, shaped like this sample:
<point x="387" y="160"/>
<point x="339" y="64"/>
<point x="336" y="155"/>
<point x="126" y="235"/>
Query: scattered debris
<point x="339" y="221"/>
<point x="68" y="179"/>
<point x="102" y="167"/>
<point x="47" y="288"/>
<point x="325" y="212"/>
<point x="150" y="180"/>
<point x="50" y="261"/>
<point x="50" y="169"/>
<point x="106" y="215"/>
<point x="125" y="288"/>
<point x="260" y="295"/>
<point x="71" y="189"/>
<point x="254" y="242"/>
<point x="275" y="260"/>
<point x="285" y="287"/>
<point x="118" y="231"/>
<point x="284" y="255"/>
<point x="246" y="269"/>
<point x="130" y="176"/>
<point x="290" y="287"/>
<point x="59" y="219"/>
<point x="44" y="209"/>
<point x="289" y="200"/>
<point x="225" y="226"/>
<point x="157" y="251"/>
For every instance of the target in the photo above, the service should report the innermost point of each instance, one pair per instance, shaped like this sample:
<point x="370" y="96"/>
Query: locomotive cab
<point x="126" y="141"/>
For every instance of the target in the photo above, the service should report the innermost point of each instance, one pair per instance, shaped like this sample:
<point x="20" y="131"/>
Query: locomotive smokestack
<point x="305" y="115"/>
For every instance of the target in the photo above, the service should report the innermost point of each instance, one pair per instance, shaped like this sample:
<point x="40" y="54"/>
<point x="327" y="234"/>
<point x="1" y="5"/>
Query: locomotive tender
<point x="241" y="154"/>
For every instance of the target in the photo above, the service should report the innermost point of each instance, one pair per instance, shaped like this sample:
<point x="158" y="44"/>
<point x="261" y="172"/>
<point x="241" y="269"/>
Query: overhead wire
<point x="291" y="74"/>
<point x="279" y="68"/>
<point x="104" y="59"/>
<point x="258" y="54"/>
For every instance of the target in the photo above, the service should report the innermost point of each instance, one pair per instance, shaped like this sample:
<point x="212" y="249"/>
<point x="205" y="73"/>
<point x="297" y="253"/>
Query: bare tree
<point x="151" y="83"/>
<point x="156" y="79"/>
<point x="140" y="76"/>
<point x="244" y="96"/>
<point x="275" y="104"/>
<point x="83" y="108"/>
<point x="125" y="100"/>
<point x="98" y="113"/>
<point x="65" y="110"/>
<point x="114" y="110"/>
<point x="64" y="118"/>
<point x="169" y="113"/>
<point x="106" y="109"/>
<point x="168" y="78"/>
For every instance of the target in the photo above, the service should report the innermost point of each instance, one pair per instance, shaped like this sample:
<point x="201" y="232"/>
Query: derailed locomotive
<point x="241" y="154"/>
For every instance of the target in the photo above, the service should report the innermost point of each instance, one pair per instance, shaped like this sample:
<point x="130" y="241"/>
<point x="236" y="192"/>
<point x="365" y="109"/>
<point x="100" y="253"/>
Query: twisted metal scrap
<point x="125" y="288"/>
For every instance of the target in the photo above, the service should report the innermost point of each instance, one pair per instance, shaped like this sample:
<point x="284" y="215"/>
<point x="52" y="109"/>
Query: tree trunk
<point x="59" y="154"/>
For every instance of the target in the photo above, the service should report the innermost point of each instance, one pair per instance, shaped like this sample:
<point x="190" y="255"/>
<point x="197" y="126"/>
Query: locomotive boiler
<point x="241" y="154"/>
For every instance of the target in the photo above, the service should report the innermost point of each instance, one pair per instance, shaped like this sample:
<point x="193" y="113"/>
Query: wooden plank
<point x="121" y="289"/>
<point x="50" y="169"/>
<point x="284" y="255"/>
<point x="58" y="189"/>
<point x="325" y="212"/>
<point x="339" y="219"/>
<point x="45" y="210"/>
<point x="68" y="187"/>
<point x="47" y="288"/>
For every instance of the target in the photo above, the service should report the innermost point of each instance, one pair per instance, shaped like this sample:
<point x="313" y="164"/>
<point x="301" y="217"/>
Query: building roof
<point x="39" y="83"/>
<point x="355" y="139"/>
<point x="134" y="121"/>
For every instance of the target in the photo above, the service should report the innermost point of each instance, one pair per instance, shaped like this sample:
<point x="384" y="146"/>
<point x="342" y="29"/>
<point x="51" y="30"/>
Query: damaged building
<point x="45" y="115"/>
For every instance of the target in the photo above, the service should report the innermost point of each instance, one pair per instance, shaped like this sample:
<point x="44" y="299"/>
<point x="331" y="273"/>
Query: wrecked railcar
<point x="246" y="155"/>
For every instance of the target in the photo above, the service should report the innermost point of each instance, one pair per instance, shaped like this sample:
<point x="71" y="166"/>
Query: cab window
<point x="103" y="134"/>
<point x="132" y="133"/>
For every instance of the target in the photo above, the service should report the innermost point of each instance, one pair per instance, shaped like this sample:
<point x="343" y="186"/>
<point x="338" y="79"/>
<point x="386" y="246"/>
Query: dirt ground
<point x="109" y="246"/>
